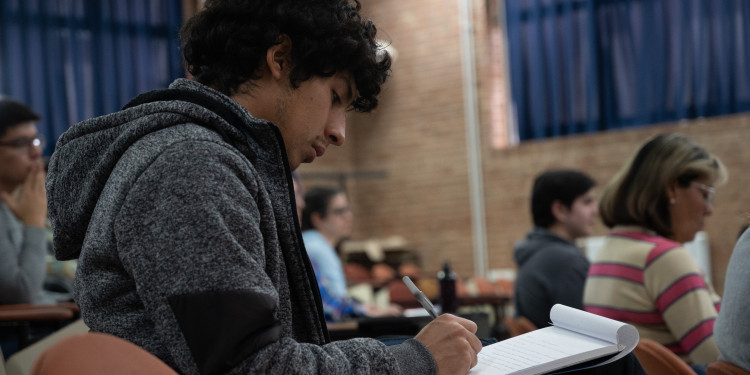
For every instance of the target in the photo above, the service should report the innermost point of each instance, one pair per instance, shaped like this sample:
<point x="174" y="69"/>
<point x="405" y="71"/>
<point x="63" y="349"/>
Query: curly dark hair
<point x="225" y="44"/>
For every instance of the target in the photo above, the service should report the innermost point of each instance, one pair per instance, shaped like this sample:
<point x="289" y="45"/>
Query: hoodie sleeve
<point x="191" y="235"/>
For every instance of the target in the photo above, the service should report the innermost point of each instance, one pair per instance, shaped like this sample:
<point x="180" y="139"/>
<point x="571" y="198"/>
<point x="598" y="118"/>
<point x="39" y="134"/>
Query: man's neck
<point x="558" y="230"/>
<point x="332" y="240"/>
<point x="258" y="98"/>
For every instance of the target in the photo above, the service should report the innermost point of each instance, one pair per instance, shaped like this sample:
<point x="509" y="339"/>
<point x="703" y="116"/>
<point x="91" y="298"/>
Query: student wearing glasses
<point x="326" y="222"/>
<point x="23" y="205"/>
<point x="643" y="275"/>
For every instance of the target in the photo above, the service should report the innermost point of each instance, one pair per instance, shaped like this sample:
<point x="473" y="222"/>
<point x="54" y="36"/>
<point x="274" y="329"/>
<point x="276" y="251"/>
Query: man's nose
<point x="336" y="129"/>
<point x="35" y="151"/>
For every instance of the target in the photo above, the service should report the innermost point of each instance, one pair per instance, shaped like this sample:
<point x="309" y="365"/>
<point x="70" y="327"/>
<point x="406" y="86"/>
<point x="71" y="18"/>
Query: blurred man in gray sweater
<point x="23" y="205"/>
<point x="551" y="268"/>
<point x="181" y="211"/>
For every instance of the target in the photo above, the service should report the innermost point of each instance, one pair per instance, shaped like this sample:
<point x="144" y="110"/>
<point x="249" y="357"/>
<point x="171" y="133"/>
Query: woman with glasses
<point x="643" y="275"/>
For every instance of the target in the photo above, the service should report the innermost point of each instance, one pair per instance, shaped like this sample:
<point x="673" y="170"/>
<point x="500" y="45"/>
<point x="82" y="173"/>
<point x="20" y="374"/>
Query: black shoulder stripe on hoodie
<point x="224" y="328"/>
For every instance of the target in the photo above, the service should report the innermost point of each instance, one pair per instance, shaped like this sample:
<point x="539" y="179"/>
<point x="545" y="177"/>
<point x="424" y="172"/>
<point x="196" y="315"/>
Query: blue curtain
<point x="589" y="65"/>
<point x="71" y="60"/>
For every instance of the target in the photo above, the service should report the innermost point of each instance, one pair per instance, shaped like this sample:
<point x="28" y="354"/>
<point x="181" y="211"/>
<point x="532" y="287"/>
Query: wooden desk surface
<point x="393" y="325"/>
<point x="342" y="326"/>
<point x="27" y="312"/>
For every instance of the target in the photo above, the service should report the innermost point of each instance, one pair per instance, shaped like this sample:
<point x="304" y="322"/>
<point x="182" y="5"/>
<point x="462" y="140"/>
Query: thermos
<point x="447" y="280"/>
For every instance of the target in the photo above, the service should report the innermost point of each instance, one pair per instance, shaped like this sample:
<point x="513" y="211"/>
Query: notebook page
<point x="625" y="335"/>
<point x="539" y="351"/>
<point x="585" y="322"/>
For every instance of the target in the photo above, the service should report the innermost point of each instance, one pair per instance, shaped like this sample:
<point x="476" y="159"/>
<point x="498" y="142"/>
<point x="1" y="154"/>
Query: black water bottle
<point x="447" y="279"/>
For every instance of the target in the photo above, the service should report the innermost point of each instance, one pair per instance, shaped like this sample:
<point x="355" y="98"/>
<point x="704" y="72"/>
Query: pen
<point x="420" y="297"/>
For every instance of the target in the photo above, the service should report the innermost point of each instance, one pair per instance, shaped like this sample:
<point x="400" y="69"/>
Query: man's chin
<point x="293" y="164"/>
<point x="307" y="160"/>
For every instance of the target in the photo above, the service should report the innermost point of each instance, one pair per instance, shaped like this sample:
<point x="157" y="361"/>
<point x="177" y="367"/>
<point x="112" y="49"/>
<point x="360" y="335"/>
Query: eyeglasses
<point x="709" y="193"/>
<point x="24" y="142"/>
<point x="340" y="211"/>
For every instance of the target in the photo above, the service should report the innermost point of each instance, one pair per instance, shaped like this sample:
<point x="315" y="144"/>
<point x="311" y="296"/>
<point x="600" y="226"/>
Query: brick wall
<point x="407" y="163"/>
<point x="416" y="137"/>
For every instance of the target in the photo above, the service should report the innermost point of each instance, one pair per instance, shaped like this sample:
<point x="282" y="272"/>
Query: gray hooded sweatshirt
<point x="180" y="209"/>
<point x="550" y="270"/>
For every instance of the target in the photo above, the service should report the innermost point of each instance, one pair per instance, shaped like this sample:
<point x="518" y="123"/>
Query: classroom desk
<point x="18" y="319"/>
<point x="498" y="303"/>
<point x="396" y="325"/>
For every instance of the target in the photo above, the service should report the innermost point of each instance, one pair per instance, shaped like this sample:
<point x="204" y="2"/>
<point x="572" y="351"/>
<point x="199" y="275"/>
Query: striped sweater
<point x="653" y="283"/>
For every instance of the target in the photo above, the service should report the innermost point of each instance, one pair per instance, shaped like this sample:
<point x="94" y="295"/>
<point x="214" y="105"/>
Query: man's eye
<point x="21" y="142"/>
<point x="335" y="97"/>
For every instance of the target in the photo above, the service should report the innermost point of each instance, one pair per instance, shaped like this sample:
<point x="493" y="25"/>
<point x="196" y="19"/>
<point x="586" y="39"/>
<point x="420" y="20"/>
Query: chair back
<point x="356" y="273"/>
<point x="21" y="362"/>
<point x="400" y="295"/>
<point x="98" y="353"/>
<point x="518" y="325"/>
<point x="484" y="286"/>
<point x="17" y="321"/>
<point x="504" y="286"/>
<point x="725" y="368"/>
<point x="656" y="359"/>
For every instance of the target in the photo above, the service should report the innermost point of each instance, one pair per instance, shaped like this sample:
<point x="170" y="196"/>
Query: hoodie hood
<point x="538" y="239"/>
<point x="86" y="154"/>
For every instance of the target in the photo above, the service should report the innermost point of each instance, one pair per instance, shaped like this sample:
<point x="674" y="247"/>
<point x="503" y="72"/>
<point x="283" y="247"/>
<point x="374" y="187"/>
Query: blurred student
<point x="642" y="274"/>
<point x="732" y="328"/>
<point x="551" y="268"/>
<point x="326" y="222"/>
<point x="23" y="206"/>
<point x="23" y="212"/>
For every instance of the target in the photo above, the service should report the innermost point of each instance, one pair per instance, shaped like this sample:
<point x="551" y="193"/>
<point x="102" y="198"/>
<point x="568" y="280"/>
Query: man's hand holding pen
<point x="451" y="340"/>
<point x="453" y="343"/>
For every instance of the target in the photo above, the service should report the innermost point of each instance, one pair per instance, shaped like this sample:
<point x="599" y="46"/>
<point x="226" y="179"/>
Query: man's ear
<point x="278" y="57"/>
<point x="315" y="219"/>
<point x="559" y="211"/>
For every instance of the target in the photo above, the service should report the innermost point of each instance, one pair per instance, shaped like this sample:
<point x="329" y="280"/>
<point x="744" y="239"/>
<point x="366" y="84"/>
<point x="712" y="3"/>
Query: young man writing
<point x="180" y="208"/>
<point x="551" y="268"/>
